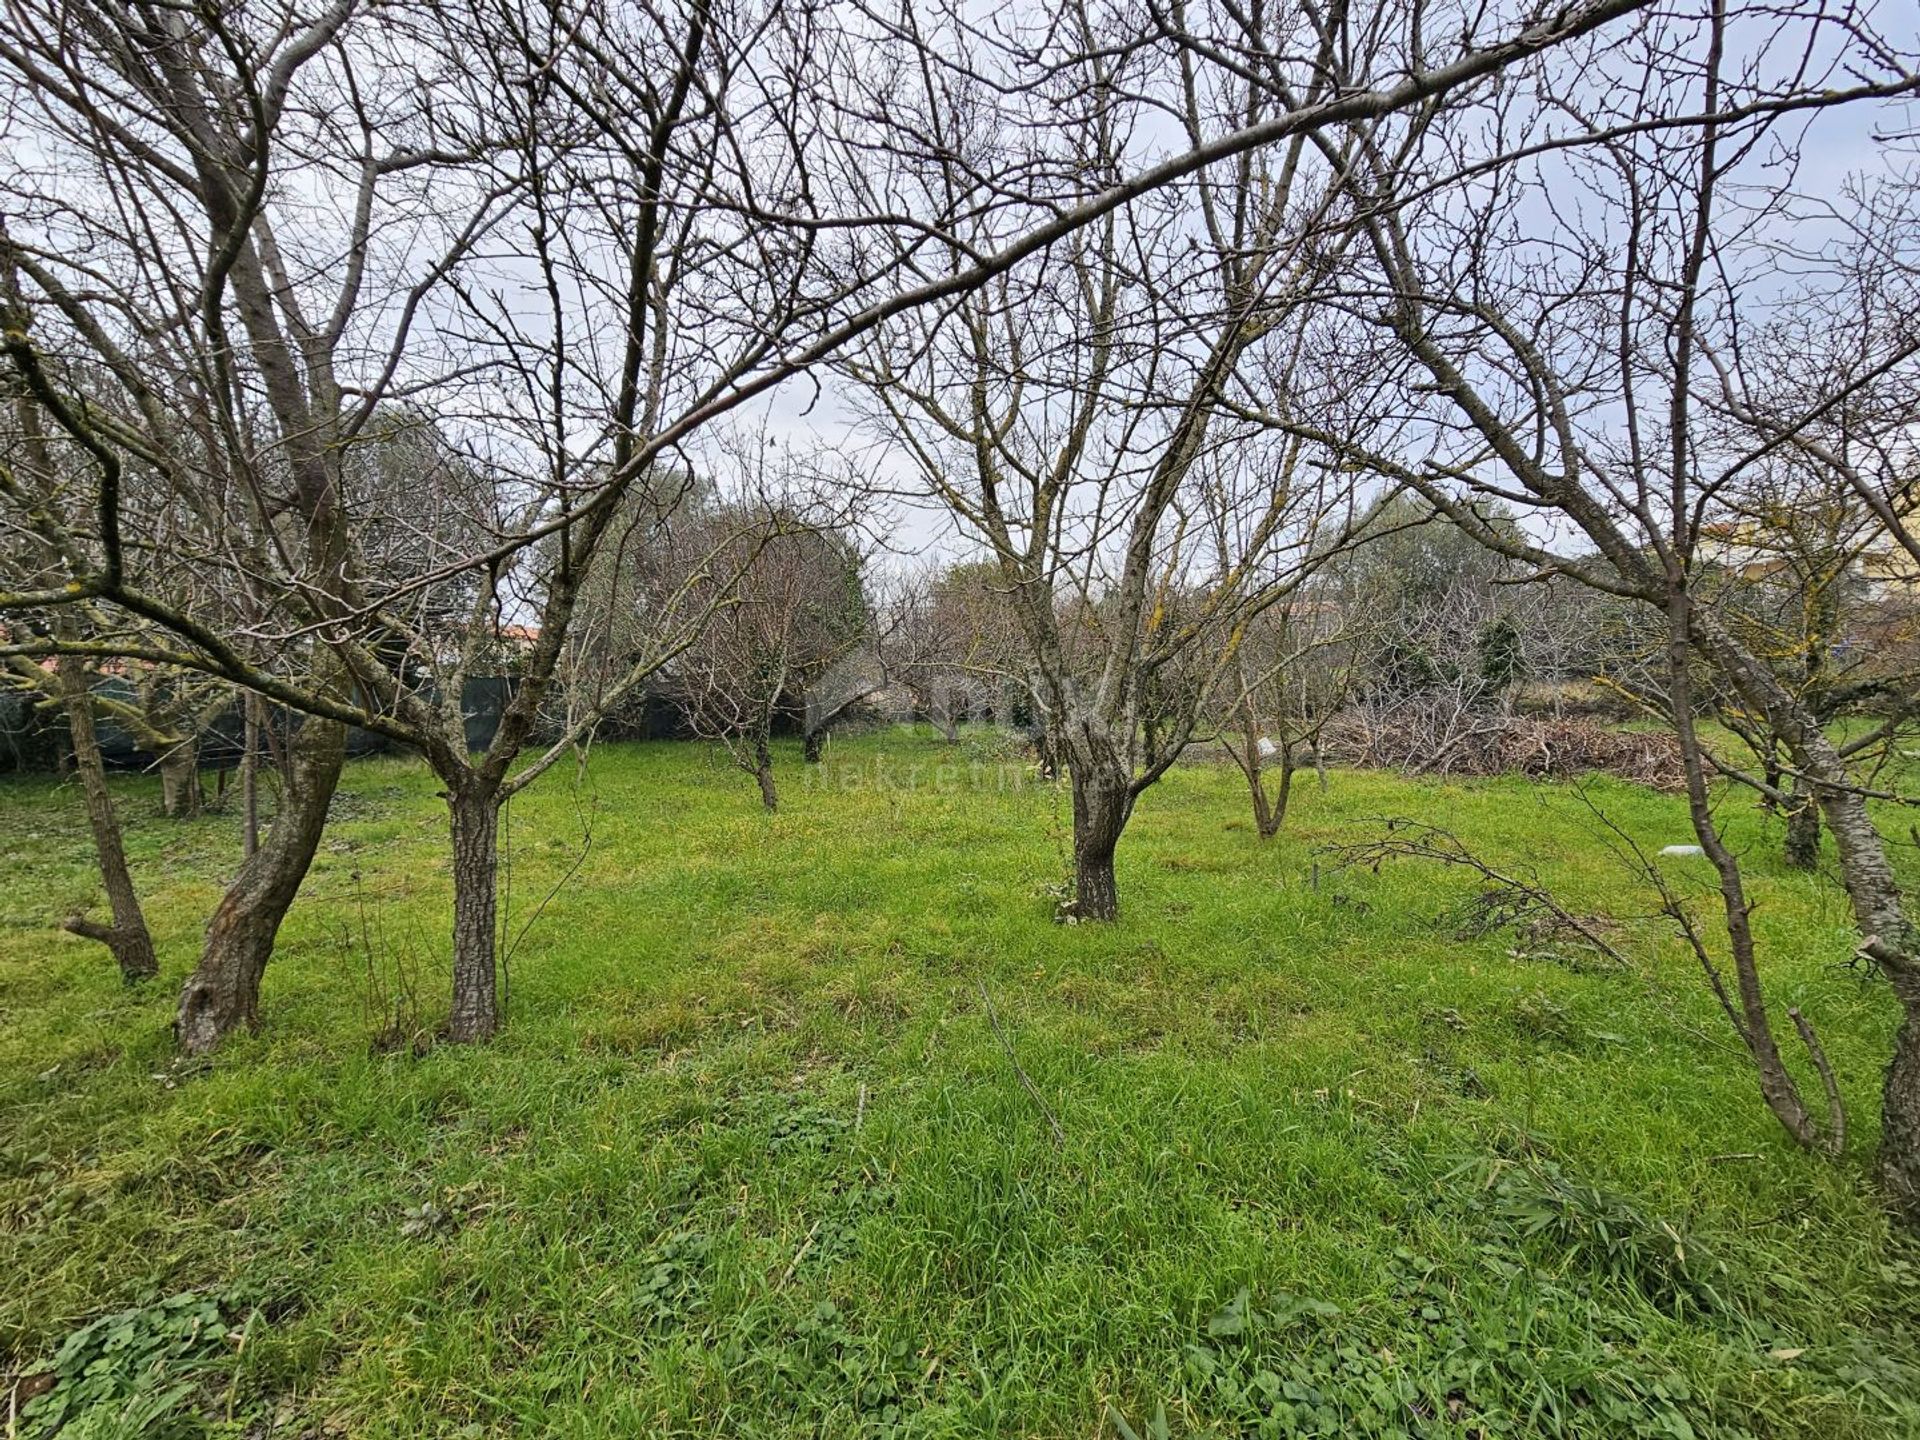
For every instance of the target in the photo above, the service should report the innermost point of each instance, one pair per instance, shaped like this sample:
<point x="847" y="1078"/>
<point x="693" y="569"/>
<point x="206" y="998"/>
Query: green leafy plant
<point x="670" y="1290"/>
<point x="809" y="1127"/>
<point x="873" y="1385"/>
<point x="1533" y="1203"/>
<point x="1429" y="1365"/>
<point x="131" y="1373"/>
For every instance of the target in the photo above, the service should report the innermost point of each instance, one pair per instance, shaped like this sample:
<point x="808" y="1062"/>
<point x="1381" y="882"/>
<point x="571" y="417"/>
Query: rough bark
<point x="223" y="993"/>
<point x="814" y="745"/>
<point x="1803" y="828"/>
<point x="475" y="816"/>
<point x="127" y="938"/>
<point x="1900" y="1123"/>
<point x="1890" y="941"/>
<point x="181" y="797"/>
<point x="763" y="774"/>
<point x="1102" y="800"/>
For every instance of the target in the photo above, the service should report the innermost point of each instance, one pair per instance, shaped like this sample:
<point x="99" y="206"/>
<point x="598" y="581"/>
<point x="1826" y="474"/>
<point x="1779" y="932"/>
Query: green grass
<point x="751" y="1160"/>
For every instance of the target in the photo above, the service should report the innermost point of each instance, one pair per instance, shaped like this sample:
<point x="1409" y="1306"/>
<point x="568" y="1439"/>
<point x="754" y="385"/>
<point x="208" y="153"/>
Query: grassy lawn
<point x="756" y="1156"/>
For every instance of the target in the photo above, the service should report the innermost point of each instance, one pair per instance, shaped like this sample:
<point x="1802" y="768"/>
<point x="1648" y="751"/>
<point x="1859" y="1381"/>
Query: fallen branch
<point x="1515" y="898"/>
<point x="1026" y="1081"/>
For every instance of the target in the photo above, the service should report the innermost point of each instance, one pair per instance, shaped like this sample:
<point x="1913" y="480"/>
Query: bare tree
<point x="621" y="225"/>
<point x="1069" y="418"/>
<point x="1492" y="363"/>
<point x="1810" y="540"/>
<point x="944" y="636"/>
<point x="126" y="936"/>
<point x="175" y="316"/>
<point x="1295" y="670"/>
<point x="68" y="683"/>
<point x="787" y="605"/>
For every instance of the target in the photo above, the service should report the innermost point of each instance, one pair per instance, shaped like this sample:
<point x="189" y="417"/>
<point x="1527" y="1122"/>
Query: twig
<point x="586" y="815"/>
<point x="1416" y="839"/>
<point x="1834" y="1142"/>
<point x="1053" y="1122"/>
<point x="801" y="1253"/>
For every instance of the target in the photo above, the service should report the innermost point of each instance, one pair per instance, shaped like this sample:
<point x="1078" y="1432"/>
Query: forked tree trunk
<point x="1874" y="894"/>
<point x="475" y="817"/>
<point x="181" y="797"/>
<point x="1803" y="828"/>
<point x="1746" y="1009"/>
<point x="127" y="938"/>
<point x="1102" y="800"/>
<point x="1269" y="810"/>
<point x="223" y="993"/>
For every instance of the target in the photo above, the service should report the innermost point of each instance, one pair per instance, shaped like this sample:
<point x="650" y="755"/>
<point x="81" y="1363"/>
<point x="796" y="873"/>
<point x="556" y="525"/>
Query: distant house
<point x="1875" y="565"/>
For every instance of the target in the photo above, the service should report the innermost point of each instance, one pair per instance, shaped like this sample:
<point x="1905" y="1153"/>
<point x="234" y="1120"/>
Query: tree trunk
<point x="181" y="797"/>
<point x="1269" y="811"/>
<point x="1046" y="752"/>
<point x="475" y="814"/>
<point x="250" y="779"/>
<point x="223" y="993"/>
<point x="1803" y="828"/>
<point x="1247" y="756"/>
<point x="1900" y="1123"/>
<point x="1889" y="938"/>
<point x="1887" y="935"/>
<point x="763" y="773"/>
<point x="817" y="725"/>
<point x="127" y="938"/>
<point x="1102" y="800"/>
<point x="1748" y="1012"/>
<point x="1263" y="821"/>
<point x="1277" y="811"/>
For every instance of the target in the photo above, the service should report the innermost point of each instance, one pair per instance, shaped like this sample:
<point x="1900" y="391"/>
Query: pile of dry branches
<point x="1424" y="740"/>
